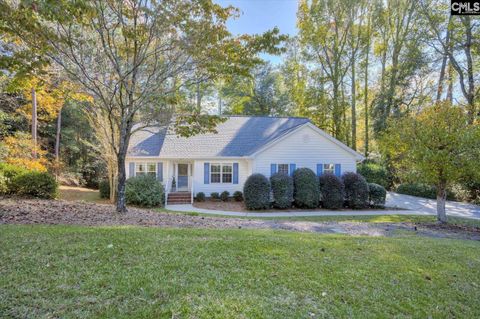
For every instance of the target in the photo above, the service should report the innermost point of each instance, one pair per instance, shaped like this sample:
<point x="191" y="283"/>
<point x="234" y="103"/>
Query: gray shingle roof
<point x="237" y="136"/>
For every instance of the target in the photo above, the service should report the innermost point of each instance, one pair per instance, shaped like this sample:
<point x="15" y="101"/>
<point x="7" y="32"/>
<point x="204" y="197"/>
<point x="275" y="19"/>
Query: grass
<point x="131" y="272"/>
<point x="80" y="194"/>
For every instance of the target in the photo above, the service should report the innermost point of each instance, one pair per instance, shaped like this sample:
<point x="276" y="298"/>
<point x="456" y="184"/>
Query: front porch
<point x="179" y="185"/>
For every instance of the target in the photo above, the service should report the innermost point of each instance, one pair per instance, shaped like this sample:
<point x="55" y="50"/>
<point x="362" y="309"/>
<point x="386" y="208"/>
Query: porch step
<point x="179" y="198"/>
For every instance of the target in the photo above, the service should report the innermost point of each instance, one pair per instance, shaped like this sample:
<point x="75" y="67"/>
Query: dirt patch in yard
<point x="233" y="206"/>
<point x="53" y="212"/>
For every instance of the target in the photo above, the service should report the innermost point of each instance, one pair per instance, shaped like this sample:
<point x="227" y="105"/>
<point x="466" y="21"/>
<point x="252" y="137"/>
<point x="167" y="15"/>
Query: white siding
<point x="244" y="170"/>
<point x="305" y="148"/>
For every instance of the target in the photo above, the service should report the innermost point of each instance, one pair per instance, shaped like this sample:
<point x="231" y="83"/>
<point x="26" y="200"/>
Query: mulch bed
<point x="57" y="212"/>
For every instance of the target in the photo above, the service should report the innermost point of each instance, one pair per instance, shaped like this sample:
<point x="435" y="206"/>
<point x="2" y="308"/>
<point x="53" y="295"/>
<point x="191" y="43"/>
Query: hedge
<point x="144" y="190"/>
<point x="356" y="190"/>
<point x="37" y="184"/>
<point x="256" y="192"/>
<point x="306" y="192"/>
<point x="104" y="188"/>
<point x="200" y="197"/>
<point x="9" y="173"/>
<point x="377" y="195"/>
<point x="214" y="195"/>
<point x="422" y="190"/>
<point x="238" y="196"/>
<point x="224" y="196"/>
<point x="374" y="173"/>
<point x="332" y="191"/>
<point x="282" y="189"/>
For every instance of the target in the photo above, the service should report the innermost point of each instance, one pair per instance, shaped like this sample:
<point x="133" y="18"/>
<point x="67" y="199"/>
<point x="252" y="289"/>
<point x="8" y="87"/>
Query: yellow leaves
<point x="19" y="150"/>
<point x="51" y="95"/>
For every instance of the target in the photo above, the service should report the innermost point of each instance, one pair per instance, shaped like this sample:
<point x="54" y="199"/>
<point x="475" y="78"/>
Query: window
<point x="221" y="173"/>
<point x="146" y="169"/>
<point x="215" y="174"/>
<point x="328" y="168"/>
<point x="282" y="169"/>
<point x="226" y="173"/>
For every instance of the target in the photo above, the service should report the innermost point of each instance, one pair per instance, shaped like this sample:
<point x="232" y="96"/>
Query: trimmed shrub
<point x="3" y="184"/>
<point x="200" y="197"/>
<point x="257" y="192"/>
<point x="104" y="188"/>
<point x="306" y="193"/>
<point x="214" y="195"/>
<point x="224" y="196"/>
<point x="332" y="191"/>
<point x="238" y="196"/>
<point x="37" y="184"/>
<point x="356" y="190"/>
<point x="374" y="173"/>
<point x="377" y="195"/>
<point x="9" y="172"/>
<point x="282" y="189"/>
<point x="144" y="190"/>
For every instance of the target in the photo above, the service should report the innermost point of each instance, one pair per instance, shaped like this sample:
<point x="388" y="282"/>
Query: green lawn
<point x="132" y="272"/>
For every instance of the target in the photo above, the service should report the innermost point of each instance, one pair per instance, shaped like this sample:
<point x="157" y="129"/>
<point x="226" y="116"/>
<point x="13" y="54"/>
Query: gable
<point x="310" y="140"/>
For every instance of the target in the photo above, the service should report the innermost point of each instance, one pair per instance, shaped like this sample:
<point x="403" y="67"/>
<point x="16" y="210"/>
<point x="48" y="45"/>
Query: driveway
<point x="412" y="205"/>
<point x="429" y="206"/>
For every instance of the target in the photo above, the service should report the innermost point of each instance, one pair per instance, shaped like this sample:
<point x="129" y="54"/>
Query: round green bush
<point x="417" y="189"/>
<point x="332" y="191"/>
<point x="9" y="172"/>
<point x="356" y="190"/>
<point x="224" y="196"/>
<point x="238" y="196"/>
<point x="374" y="173"/>
<point x="305" y="188"/>
<point x="144" y="190"/>
<point x="200" y="197"/>
<point x="104" y="188"/>
<point x="377" y="195"/>
<point x="215" y="195"/>
<point x="282" y="189"/>
<point x="257" y="192"/>
<point x="37" y="184"/>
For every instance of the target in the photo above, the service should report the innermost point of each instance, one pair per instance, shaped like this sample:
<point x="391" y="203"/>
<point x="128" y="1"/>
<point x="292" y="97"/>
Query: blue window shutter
<point x="160" y="172"/>
<point x="206" y="173"/>
<point x="273" y="169"/>
<point x="131" y="169"/>
<point x="293" y="167"/>
<point x="319" y="169"/>
<point x="338" y="170"/>
<point x="235" y="173"/>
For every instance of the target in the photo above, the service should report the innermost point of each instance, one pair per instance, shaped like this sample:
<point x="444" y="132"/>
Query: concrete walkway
<point x="412" y="205"/>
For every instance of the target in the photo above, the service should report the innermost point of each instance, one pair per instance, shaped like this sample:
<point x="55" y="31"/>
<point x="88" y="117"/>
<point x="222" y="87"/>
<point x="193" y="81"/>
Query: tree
<point x="261" y="93"/>
<point x="129" y="55"/>
<point x="438" y="146"/>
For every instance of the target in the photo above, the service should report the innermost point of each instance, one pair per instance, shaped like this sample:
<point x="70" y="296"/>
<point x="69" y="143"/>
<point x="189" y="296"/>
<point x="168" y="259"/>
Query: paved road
<point x="413" y="205"/>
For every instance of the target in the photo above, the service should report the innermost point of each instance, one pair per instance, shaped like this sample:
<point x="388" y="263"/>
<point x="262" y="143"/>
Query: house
<point x="243" y="145"/>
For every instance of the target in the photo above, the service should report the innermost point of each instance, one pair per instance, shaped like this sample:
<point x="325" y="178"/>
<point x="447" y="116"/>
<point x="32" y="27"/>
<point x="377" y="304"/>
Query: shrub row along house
<point x="242" y="146"/>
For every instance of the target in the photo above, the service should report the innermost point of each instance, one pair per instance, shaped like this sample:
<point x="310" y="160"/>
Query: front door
<point x="182" y="173"/>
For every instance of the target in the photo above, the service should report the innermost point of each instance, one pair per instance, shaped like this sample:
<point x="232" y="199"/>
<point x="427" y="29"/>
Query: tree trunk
<point x="354" y="108"/>
<point x="441" y="198"/>
<point x="34" y="122"/>
<point x="125" y="132"/>
<point x="365" y="93"/>
<point x="57" y="136"/>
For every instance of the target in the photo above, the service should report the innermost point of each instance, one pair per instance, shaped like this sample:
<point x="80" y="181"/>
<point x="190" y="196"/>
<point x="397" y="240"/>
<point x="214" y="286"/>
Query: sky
<point x="258" y="16"/>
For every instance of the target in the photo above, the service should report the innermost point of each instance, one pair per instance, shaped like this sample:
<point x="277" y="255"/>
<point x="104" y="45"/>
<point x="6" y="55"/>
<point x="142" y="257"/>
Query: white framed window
<point x="221" y="173"/>
<point x="282" y="168"/>
<point x="227" y="173"/>
<point x="329" y="168"/>
<point x="146" y="169"/>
